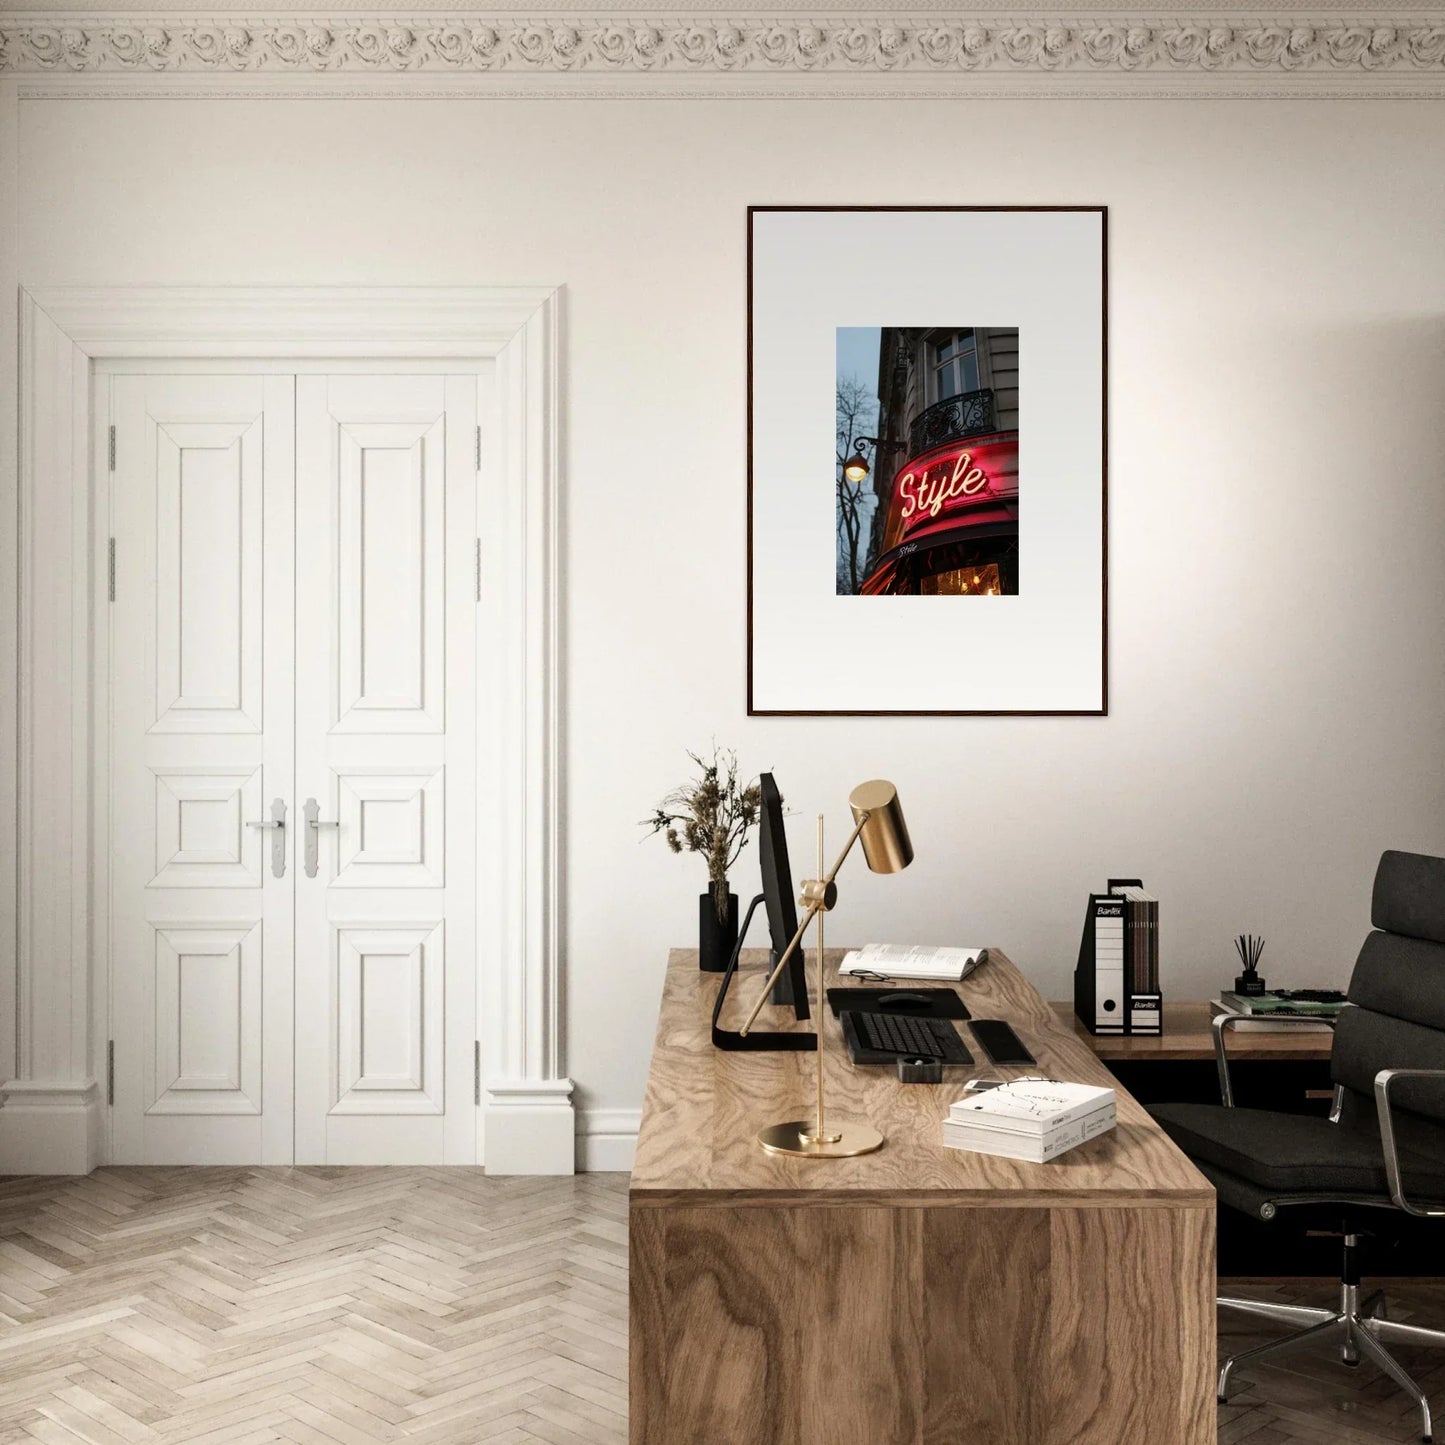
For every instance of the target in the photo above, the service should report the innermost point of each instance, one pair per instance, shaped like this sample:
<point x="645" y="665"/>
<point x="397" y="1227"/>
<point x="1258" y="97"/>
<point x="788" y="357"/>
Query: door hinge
<point x="111" y="448"/>
<point x="110" y="1072"/>
<point x="110" y="570"/>
<point x="479" y="448"/>
<point x="479" y="569"/>
<point x="477" y="1072"/>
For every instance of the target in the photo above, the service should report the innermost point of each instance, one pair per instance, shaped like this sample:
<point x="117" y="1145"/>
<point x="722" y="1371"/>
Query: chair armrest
<point x="1383" y="1080"/>
<point x="1222" y="1023"/>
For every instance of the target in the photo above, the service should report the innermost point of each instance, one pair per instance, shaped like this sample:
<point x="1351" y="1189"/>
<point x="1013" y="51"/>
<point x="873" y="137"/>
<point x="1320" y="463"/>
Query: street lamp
<point x="856" y="467"/>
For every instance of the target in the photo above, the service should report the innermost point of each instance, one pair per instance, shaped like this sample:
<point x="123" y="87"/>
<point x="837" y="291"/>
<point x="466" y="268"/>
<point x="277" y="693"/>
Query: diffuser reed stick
<point x="1249" y="947"/>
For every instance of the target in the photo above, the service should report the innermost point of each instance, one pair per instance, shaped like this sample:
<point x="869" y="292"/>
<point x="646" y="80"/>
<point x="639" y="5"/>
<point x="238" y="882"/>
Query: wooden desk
<point x="1188" y="1037"/>
<point x="918" y="1294"/>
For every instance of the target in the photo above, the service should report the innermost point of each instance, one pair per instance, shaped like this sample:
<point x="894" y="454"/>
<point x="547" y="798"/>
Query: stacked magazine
<point x="1033" y="1119"/>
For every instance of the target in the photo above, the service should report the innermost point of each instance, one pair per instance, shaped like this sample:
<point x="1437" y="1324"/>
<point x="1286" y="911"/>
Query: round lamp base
<point x="844" y="1141"/>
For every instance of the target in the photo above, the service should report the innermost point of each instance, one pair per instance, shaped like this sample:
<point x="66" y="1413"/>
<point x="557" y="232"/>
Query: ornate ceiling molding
<point x="1157" y="53"/>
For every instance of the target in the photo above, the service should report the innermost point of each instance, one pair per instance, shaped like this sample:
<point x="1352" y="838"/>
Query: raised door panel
<point x="391" y="831"/>
<point x="202" y="837"/>
<point x="389" y="993"/>
<point x="207" y="1057"/>
<point x="389" y="520"/>
<point x="208" y="560"/>
<point x="386" y="740"/>
<point x="201" y="742"/>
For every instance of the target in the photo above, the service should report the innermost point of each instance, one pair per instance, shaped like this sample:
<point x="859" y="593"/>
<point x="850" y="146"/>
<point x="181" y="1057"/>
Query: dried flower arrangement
<point x="711" y="815"/>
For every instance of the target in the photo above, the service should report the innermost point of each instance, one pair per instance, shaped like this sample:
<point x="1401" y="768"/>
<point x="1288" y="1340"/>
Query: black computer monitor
<point x="791" y="987"/>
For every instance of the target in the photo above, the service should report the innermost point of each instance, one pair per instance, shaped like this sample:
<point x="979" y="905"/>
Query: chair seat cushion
<point x="1292" y="1153"/>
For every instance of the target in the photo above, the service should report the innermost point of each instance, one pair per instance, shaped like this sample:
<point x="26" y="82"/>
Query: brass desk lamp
<point x="878" y="823"/>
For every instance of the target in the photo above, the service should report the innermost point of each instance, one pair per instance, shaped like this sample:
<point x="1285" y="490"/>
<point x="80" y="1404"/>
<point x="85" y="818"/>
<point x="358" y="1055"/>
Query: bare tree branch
<point x="857" y="408"/>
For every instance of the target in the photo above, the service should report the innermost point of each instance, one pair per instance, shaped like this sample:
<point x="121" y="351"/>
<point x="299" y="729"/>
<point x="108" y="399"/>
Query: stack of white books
<point x="1033" y="1119"/>
<point x="904" y="960"/>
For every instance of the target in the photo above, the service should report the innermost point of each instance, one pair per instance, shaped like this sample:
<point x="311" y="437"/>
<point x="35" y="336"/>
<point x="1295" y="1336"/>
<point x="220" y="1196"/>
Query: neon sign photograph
<point x="926" y="477"/>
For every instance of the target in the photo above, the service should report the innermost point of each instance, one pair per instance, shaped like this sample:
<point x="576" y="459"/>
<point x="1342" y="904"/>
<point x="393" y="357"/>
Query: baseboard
<point x="607" y="1140"/>
<point x="530" y="1127"/>
<point x="56" y="1129"/>
<point x="48" y="1128"/>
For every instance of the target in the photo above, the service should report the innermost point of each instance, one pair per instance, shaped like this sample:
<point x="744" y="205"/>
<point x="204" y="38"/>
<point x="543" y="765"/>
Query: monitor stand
<point x="757" y="1040"/>
<point x="791" y="983"/>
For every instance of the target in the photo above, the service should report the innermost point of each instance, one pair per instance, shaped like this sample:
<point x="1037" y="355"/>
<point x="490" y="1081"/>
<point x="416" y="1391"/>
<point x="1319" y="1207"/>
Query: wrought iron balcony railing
<point x="968" y="415"/>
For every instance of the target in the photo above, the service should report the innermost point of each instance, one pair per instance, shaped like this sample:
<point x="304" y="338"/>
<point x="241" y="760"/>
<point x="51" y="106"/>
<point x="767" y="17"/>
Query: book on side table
<point x="1261" y="1013"/>
<point x="1032" y="1119"/>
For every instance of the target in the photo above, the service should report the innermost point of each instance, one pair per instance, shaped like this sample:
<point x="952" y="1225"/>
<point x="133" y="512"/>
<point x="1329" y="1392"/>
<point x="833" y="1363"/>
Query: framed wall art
<point x="927" y="460"/>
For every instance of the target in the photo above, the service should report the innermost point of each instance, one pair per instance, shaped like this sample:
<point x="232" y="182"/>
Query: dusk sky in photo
<point x="858" y="352"/>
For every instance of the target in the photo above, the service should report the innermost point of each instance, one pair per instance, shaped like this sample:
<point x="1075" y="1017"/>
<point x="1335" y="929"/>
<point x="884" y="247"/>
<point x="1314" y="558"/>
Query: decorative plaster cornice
<point x="991" y="45"/>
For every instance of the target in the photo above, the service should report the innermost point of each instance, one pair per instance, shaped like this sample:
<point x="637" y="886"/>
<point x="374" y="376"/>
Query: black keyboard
<point x="894" y="1036"/>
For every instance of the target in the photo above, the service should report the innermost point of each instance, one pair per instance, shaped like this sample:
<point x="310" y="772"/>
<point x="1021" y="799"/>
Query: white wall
<point x="1277" y="590"/>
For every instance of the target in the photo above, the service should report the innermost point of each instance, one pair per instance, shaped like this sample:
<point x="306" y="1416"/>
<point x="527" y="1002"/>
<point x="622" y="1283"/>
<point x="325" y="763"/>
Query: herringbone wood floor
<point x="333" y="1306"/>
<point x="350" y="1306"/>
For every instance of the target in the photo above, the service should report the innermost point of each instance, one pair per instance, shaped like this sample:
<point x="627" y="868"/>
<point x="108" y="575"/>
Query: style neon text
<point x="926" y="494"/>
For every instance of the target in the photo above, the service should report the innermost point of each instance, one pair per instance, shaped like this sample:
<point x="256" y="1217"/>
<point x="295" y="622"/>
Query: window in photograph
<point x="980" y="581"/>
<point x="955" y="364"/>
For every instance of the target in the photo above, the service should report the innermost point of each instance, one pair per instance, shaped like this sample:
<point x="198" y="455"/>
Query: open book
<point x="902" y="960"/>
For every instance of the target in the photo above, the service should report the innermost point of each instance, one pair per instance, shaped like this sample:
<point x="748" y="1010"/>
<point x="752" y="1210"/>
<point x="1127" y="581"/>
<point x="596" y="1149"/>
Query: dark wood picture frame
<point x="1103" y="709"/>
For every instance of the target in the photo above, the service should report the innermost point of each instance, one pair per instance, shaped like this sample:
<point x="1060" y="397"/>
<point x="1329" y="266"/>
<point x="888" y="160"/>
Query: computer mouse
<point x="902" y="1000"/>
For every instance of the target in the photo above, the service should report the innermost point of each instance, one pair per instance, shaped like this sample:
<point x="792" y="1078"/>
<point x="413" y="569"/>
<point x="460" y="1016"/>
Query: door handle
<point x="276" y="822"/>
<point x="314" y="825"/>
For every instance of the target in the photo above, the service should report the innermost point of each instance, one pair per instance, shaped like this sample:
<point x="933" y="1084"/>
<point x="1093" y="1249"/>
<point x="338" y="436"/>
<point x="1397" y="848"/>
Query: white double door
<point x="292" y="766"/>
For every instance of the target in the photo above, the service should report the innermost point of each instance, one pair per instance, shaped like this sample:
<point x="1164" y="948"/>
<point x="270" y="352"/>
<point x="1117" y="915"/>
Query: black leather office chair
<point x="1381" y="1151"/>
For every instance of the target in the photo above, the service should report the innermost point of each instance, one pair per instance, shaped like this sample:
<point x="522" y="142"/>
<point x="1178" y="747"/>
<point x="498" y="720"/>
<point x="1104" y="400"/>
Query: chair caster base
<point x="1355" y="1335"/>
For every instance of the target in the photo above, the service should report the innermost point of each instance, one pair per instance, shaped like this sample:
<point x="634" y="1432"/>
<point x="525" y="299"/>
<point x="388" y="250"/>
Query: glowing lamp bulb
<point x="856" y="467"/>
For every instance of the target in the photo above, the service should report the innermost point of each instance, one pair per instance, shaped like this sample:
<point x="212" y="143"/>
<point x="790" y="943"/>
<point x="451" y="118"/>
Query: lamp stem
<point x="818" y="1134"/>
<point x="813" y="910"/>
<point x="822" y="1011"/>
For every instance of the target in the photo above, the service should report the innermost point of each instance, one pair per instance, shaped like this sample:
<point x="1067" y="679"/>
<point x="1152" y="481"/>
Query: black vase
<point x="716" y="939"/>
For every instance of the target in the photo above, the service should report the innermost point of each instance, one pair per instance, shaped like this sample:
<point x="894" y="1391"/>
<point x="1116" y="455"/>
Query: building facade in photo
<point x="945" y="466"/>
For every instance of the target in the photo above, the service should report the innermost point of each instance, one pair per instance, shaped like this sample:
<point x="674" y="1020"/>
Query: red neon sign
<point x="925" y="493"/>
<point x="955" y="486"/>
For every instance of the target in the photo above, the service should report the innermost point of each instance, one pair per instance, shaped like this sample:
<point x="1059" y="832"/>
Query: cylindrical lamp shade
<point x="885" y="840"/>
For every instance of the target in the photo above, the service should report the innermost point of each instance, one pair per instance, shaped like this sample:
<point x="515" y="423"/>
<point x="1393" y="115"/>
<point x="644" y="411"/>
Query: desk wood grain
<point x="703" y="1108"/>
<point x="919" y="1295"/>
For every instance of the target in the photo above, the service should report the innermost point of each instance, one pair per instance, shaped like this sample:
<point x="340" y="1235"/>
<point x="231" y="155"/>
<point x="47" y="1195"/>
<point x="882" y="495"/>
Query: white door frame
<point x="52" y="1119"/>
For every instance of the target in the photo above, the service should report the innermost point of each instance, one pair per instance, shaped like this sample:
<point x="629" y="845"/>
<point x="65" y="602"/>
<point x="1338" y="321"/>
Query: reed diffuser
<point x="1249" y="983"/>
